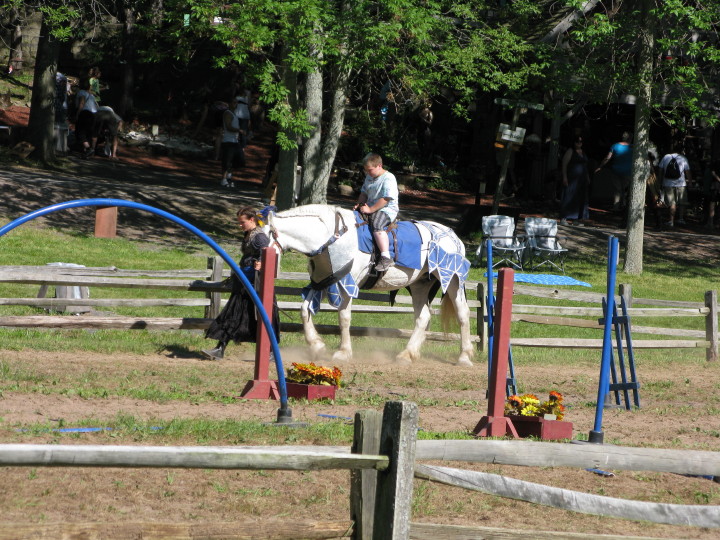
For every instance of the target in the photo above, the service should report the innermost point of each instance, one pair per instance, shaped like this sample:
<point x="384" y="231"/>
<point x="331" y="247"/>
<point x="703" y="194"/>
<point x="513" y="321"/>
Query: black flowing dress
<point x="574" y="204"/>
<point x="238" y="320"/>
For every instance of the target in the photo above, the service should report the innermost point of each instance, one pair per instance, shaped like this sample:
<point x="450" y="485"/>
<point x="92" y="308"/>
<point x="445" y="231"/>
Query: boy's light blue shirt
<point x="382" y="187"/>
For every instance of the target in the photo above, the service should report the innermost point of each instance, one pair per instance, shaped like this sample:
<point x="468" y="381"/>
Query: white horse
<point x="307" y="229"/>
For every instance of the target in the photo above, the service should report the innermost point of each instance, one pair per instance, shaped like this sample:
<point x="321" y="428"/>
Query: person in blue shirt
<point x="378" y="201"/>
<point x="620" y="158"/>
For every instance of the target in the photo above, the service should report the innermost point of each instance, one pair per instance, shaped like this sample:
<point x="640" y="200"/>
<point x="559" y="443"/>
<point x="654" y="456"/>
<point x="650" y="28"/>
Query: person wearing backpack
<point x="675" y="175"/>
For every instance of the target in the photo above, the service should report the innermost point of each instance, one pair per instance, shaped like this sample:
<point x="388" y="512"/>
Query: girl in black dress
<point x="238" y="320"/>
<point x="576" y="179"/>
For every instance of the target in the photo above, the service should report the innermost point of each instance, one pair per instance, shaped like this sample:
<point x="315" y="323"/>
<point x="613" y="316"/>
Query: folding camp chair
<point x="543" y="248"/>
<point x="507" y="248"/>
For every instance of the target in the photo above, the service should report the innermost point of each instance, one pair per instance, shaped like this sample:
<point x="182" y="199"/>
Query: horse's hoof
<point x="403" y="359"/>
<point x="341" y="357"/>
<point x="317" y="353"/>
<point x="464" y="359"/>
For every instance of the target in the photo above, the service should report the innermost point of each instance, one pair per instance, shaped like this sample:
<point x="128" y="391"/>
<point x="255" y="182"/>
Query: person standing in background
<point x="620" y="158"/>
<point x="713" y="193"/>
<point x="236" y="124"/>
<point x="424" y="133"/>
<point x="86" y="109"/>
<point x="576" y="179"/>
<point x="675" y="175"/>
<point x="94" y="75"/>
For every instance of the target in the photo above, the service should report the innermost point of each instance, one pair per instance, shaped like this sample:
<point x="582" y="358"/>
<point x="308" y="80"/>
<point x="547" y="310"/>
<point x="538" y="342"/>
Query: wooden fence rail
<point x="383" y="461"/>
<point x="210" y="283"/>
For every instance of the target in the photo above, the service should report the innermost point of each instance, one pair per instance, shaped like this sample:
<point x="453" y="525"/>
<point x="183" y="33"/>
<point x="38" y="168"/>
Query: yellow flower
<point x="530" y="410"/>
<point x="529" y="405"/>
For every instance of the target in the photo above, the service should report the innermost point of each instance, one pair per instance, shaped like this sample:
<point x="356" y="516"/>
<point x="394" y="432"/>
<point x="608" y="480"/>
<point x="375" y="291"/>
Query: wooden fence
<point x="383" y="460"/>
<point x="210" y="283"/>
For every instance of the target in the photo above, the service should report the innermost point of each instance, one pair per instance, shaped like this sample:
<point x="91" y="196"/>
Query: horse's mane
<point x="312" y="210"/>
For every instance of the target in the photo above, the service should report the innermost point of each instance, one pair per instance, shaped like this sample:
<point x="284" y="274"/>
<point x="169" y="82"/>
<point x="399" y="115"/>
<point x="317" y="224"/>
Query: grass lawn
<point x="149" y="388"/>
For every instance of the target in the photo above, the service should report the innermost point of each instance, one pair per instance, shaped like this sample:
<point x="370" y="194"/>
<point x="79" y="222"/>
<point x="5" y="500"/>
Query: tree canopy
<point x="661" y="55"/>
<point x="307" y="55"/>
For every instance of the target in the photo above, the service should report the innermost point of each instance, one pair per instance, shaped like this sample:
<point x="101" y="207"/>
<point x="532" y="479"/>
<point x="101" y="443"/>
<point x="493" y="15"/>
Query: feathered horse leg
<point x="312" y="338"/>
<point x="345" y="352"/>
<point x="454" y="307"/>
<point x="421" y="305"/>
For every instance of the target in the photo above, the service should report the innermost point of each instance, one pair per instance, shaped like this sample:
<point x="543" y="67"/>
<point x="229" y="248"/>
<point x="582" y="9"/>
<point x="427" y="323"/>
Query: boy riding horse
<point x="378" y="200"/>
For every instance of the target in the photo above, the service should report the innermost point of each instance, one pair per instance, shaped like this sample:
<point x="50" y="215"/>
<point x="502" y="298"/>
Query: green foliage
<point x="599" y="61"/>
<point x="420" y="46"/>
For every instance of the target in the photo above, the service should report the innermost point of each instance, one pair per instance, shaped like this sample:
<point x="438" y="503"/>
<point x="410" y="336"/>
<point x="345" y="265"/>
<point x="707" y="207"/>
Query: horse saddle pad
<point x="406" y="237"/>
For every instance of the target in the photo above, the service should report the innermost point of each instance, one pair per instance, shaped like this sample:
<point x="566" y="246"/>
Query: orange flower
<point x="312" y="374"/>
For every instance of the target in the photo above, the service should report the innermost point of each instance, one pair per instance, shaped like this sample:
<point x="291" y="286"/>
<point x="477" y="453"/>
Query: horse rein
<point x="338" y="232"/>
<point x="275" y="242"/>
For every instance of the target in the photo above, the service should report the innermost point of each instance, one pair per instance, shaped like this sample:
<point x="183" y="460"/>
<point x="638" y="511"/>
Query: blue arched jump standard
<point x="284" y="413"/>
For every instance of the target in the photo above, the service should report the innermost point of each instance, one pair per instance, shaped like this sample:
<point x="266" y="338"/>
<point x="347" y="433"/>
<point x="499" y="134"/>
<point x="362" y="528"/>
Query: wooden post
<point x="215" y="265"/>
<point x="481" y="317"/>
<point x="106" y="221"/>
<point x="711" y="326"/>
<point x="395" y="485"/>
<point x="626" y="291"/>
<point x="505" y="163"/>
<point x="496" y="424"/>
<point x="363" y="483"/>
<point x="261" y="387"/>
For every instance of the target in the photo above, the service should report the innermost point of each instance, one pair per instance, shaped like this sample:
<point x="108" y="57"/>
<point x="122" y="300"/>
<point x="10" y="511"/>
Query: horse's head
<point x="268" y="215"/>
<point x="304" y="229"/>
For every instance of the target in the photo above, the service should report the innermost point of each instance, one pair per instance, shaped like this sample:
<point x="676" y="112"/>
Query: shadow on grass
<point x="180" y="352"/>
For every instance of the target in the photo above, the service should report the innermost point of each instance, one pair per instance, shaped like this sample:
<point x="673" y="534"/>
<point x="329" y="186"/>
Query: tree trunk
<point x="312" y="146"/>
<point x="636" y="207"/>
<point x="128" y="58"/>
<point x="335" y="120"/>
<point x="287" y="163"/>
<point x="41" y="125"/>
<point x="15" y="60"/>
<point x="157" y="9"/>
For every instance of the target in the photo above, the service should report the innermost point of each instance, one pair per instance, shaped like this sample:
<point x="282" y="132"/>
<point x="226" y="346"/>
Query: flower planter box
<point x="534" y="426"/>
<point x="310" y="391"/>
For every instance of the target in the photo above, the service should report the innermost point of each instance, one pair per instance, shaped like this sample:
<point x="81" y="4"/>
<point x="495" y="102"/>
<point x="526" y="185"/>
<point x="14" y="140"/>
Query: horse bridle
<point x="338" y="232"/>
<point x="275" y="242"/>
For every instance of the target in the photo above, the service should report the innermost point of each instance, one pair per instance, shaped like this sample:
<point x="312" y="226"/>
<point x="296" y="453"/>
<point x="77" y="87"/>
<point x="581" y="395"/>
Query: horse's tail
<point x="448" y="314"/>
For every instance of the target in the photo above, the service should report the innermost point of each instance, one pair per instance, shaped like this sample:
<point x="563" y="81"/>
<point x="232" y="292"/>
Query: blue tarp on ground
<point x="546" y="279"/>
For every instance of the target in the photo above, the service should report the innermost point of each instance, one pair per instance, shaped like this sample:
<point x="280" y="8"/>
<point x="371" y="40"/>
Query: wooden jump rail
<point x="210" y="283"/>
<point x="383" y="461"/>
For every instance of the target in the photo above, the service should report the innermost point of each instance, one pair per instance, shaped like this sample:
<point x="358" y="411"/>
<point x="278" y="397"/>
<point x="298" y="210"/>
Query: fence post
<point x="495" y="423"/>
<point x="711" y="326"/>
<point x="106" y="221"/>
<point x="363" y="483"/>
<point x="261" y="387"/>
<point x="215" y="265"/>
<point x="626" y="292"/>
<point x="395" y="485"/>
<point x="481" y="313"/>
